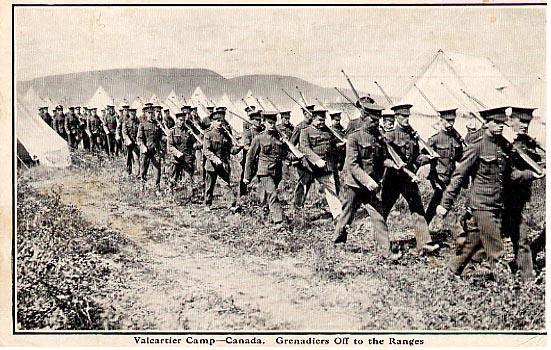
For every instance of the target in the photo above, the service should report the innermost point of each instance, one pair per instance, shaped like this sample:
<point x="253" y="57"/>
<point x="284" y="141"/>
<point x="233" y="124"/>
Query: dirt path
<point x="194" y="282"/>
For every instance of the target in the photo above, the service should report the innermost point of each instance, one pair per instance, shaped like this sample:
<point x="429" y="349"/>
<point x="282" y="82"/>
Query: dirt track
<point x="220" y="270"/>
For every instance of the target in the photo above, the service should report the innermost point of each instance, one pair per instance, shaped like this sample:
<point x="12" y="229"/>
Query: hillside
<point x="129" y="83"/>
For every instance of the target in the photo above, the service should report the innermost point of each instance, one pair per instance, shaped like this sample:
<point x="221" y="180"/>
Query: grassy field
<point x="96" y="251"/>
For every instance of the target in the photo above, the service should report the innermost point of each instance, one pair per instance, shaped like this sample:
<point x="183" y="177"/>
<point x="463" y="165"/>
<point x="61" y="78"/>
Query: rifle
<point x="384" y="93"/>
<point x="277" y="109"/>
<point x="333" y="131"/>
<point x="302" y="96"/>
<point x="260" y="104"/>
<point x="325" y="107"/>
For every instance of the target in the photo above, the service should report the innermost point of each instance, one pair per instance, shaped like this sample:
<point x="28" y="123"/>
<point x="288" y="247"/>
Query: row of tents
<point x="449" y="80"/>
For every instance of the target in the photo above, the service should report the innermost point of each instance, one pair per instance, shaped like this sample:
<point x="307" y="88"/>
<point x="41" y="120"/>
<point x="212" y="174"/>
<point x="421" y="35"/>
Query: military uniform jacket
<point x="111" y="123"/>
<point x="319" y="144"/>
<point x="472" y="136"/>
<point x="183" y="141"/>
<point x="448" y="145"/>
<point x="353" y="125"/>
<point x="150" y="135"/>
<point x="286" y="129"/>
<point x="59" y="123"/>
<point x="249" y="133"/>
<point x="71" y="123"/>
<point x="405" y="143"/>
<point x="270" y="151"/>
<point x="488" y="163"/>
<point x="365" y="155"/>
<point x="217" y="143"/>
<point x="295" y="136"/>
<point x="129" y="129"/>
<point x="95" y="124"/>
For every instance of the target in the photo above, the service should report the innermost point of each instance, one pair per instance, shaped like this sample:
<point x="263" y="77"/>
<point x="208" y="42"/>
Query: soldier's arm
<point x="140" y="135"/>
<point x="295" y="136"/>
<point x="252" y="158"/>
<point x="465" y="168"/>
<point x="306" y="147"/>
<point x="124" y="133"/>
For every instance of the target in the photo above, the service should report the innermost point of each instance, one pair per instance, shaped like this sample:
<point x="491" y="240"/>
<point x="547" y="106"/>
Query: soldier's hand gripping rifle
<point x="333" y="131"/>
<point x="395" y="157"/>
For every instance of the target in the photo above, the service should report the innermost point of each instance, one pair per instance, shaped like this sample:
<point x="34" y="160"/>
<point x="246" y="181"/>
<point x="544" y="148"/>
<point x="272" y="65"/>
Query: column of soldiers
<point x="378" y="152"/>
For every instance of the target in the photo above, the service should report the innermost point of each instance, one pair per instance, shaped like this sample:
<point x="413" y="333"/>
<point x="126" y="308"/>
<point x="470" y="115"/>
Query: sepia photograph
<point x="255" y="169"/>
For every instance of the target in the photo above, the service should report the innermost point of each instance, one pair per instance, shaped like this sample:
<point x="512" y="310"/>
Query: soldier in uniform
<point x="83" y="127"/>
<point x="487" y="161"/>
<point x="46" y="117"/>
<point x="473" y="133"/>
<point x="265" y="158"/>
<point x="249" y="133"/>
<point x="96" y="130"/>
<point x="129" y="131"/>
<point x="388" y="121"/>
<point x="72" y="128"/>
<point x="303" y="169"/>
<point x="217" y="148"/>
<point x="285" y="126"/>
<point x="59" y="122"/>
<point x="110" y="128"/>
<point x="365" y="163"/>
<point x="517" y="195"/>
<point x="181" y="149"/>
<point x="404" y="141"/>
<point x="448" y="144"/>
<point x="149" y="139"/>
<point x="168" y="120"/>
<point x="341" y="153"/>
<point x="319" y="145"/>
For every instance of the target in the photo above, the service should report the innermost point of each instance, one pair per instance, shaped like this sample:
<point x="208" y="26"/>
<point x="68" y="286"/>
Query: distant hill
<point x="77" y="88"/>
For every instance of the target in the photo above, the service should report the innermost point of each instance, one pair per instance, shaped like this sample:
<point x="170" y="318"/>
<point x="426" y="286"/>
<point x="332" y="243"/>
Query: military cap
<point x="147" y="109"/>
<point x="120" y="110"/>
<point x="335" y="114"/>
<point x="158" y="108"/>
<point x="132" y="110"/>
<point x="71" y="108"/>
<point x="110" y="107"/>
<point x="388" y="115"/>
<point x="364" y="101"/>
<point x="148" y="104"/>
<point x="311" y="107"/>
<point x="249" y="109"/>
<point x="210" y="109"/>
<point x="402" y="109"/>
<point x="185" y="108"/>
<point x="319" y="113"/>
<point x="524" y="114"/>
<point x="285" y="114"/>
<point x="126" y="107"/>
<point x="269" y="116"/>
<point x="93" y="109"/>
<point x="77" y="108"/>
<point x="193" y="108"/>
<point x="448" y="114"/>
<point x="42" y="108"/>
<point x="373" y="110"/>
<point x="255" y="114"/>
<point x="166" y="110"/>
<point x="221" y="108"/>
<point x="59" y="107"/>
<point x="86" y="108"/>
<point x="496" y="114"/>
<point x="180" y="115"/>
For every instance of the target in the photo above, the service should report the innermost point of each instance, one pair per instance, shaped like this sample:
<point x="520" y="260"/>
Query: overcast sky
<point x="388" y="44"/>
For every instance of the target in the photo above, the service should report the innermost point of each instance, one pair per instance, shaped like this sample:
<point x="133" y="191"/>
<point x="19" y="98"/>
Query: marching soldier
<point x="265" y="159"/>
<point x="45" y="116"/>
<point x="448" y="144"/>
<point x="285" y="126"/>
<point x="217" y="148"/>
<point x="83" y="127"/>
<point x="110" y="128"/>
<point x="303" y="169"/>
<point x="517" y="195"/>
<point x="365" y="158"/>
<point x="96" y="130"/>
<point x="319" y="146"/>
<point x="181" y="149"/>
<point x="168" y="120"/>
<point x="249" y="133"/>
<point x="404" y="141"/>
<point x="149" y="139"/>
<point x="59" y="122"/>
<point x="129" y="130"/>
<point x="487" y="161"/>
<point x="341" y="153"/>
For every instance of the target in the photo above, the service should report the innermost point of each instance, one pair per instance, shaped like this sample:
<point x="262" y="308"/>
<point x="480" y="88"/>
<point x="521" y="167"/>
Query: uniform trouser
<point x="242" y="185"/>
<point x="177" y="167"/>
<point x="353" y="199"/>
<point x="210" y="183"/>
<point x="537" y="245"/>
<point x="85" y="140"/>
<point x="483" y="231"/>
<point x="132" y="156"/>
<point x="111" y="144"/>
<point x="392" y="188"/>
<point x="515" y="227"/>
<point x="269" y="186"/>
<point x="72" y="139"/>
<point x="96" y="142"/>
<point x="327" y="181"/>
<point x="154" y="159"/>
<point x="433" y="203"/>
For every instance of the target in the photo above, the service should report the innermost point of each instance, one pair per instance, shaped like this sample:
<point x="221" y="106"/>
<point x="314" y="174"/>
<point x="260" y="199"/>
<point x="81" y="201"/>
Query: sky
<point x="387" y="44"/>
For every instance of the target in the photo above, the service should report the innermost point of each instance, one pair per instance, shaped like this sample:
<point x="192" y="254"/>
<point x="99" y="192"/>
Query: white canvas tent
<point x="100" y="99"/>
<point x="173" y="103"/>
<point x="234" y="121"/>
<point x="137" y="104"/>
<point x="32" y="101"/>
<point x="199" y="99"/>
<point x="39" y="140"/>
